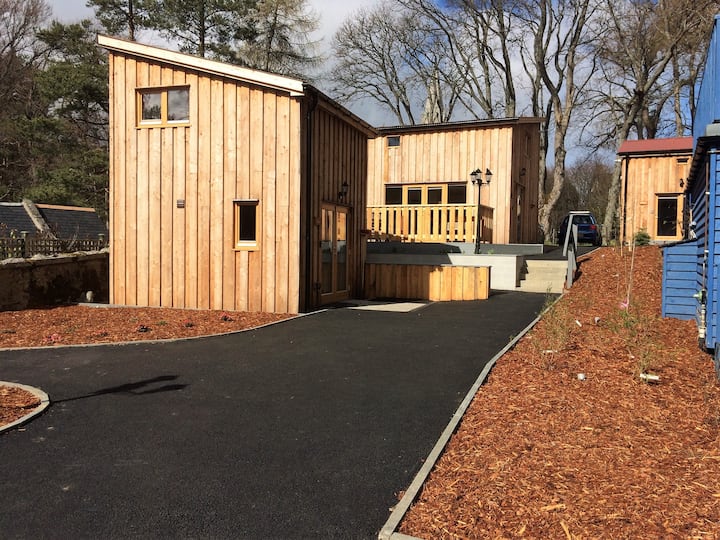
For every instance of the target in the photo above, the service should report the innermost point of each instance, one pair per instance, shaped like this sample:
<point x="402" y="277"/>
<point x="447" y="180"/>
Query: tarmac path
<point x="304" y="429"/>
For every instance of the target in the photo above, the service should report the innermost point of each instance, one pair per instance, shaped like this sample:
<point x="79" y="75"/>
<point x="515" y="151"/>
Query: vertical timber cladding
<point x="450" y="152"/>
<point x="241" y="142"/>
<point x="337" y="153"/>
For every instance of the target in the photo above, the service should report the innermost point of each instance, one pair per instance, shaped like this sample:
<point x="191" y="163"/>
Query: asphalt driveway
<point x="305" y="429"/>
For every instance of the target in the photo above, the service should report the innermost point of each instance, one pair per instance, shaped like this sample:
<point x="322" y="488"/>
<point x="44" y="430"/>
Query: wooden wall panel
<point x="647" y="177"/>
<point x="449" y="155"/>
<point x="242" y="188"/>
<point x="191" y="210"/>
<point x="426" y="282"/>
<point x="179" y="178"/>
<point x="218" y="247"/>
<point x="204" y="127"/>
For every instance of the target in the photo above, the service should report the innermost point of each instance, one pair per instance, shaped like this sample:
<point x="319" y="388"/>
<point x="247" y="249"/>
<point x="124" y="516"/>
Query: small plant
<point x="188" y="323"/>
<point x="226" y="318"/>
<point x="162" y="323"/>
<point x="642" y="238"/>
<point x="142" y="328"/>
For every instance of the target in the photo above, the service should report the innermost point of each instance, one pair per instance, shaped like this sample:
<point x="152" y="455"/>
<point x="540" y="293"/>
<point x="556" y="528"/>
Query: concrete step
<point x="543" y="276"/>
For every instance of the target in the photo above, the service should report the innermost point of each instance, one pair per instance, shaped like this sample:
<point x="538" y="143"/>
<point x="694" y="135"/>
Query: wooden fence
<point x="429" y="223"/>
<point x="24" y="248"/>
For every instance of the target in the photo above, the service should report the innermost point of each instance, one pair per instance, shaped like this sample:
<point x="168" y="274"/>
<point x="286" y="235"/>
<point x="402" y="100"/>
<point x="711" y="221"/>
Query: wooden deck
<point x="429" y="223"/>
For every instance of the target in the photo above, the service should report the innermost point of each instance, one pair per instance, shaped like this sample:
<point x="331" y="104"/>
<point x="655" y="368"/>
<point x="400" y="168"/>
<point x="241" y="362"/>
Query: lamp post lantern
<point x="477" y="178"/>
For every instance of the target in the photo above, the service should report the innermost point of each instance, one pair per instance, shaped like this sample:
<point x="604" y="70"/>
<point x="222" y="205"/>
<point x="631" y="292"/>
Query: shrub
<point x="642" y="238"/>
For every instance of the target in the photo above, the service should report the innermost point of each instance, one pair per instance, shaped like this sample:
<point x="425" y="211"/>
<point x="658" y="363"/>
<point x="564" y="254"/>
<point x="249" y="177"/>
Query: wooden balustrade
<point x="429" y="223"/>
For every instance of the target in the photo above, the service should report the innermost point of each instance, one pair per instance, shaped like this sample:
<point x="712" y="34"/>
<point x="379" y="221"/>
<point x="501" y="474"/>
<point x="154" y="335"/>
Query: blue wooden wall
<point x="680" y="280"/>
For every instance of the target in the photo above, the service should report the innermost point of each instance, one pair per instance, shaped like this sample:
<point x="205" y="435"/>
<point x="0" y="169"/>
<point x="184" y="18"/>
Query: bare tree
<point x="640" y="47"/>
<point x="391" y="55"/>
<point x="479" y="37"/>
<point x="562" y="31"/>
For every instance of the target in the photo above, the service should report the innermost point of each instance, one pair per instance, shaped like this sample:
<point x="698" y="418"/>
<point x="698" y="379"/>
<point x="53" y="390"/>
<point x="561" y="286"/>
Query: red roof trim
<point x="645" y="146"/>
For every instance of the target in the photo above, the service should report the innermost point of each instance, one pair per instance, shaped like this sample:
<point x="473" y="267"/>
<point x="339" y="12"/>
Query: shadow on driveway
<point x="305" y="429"/>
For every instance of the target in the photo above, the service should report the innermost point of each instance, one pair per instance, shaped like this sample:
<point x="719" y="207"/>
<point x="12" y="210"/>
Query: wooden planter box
<point x="427" y="282"/>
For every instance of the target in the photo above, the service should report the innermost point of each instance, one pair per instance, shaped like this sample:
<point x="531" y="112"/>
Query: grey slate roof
<point x="65" y="222"/>
<point x="14" y="217"/>
<point x="68" y="222"/>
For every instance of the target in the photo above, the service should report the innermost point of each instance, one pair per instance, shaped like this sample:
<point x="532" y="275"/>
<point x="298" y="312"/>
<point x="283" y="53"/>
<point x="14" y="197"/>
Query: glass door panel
<point x="327" y="250"/>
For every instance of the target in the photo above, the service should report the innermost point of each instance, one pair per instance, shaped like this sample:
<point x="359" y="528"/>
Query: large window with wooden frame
<point x="247" y="224"/>
<point x="425" y="194"/>
<point x="163" y="106"/>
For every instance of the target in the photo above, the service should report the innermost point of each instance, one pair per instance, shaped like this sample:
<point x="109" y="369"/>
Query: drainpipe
<point x="311" y="103"/>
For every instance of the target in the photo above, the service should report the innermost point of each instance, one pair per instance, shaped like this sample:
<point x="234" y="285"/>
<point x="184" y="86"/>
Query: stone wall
<point x="47" y="281"/>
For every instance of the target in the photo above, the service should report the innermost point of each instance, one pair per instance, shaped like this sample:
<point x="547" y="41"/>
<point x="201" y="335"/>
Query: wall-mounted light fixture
<point x="342" y="194"/>
<point x="476" y="177"/>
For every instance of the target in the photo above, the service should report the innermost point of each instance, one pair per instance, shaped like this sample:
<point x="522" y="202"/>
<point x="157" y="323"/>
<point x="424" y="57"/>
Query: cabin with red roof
<point x="654" y="175"/>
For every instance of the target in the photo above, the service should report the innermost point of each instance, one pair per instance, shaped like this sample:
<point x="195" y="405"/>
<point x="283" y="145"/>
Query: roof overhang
<point x="292" y="86"/>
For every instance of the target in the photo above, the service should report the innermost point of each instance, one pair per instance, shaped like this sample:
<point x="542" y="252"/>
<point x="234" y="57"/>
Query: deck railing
<point x="429" y="223"/>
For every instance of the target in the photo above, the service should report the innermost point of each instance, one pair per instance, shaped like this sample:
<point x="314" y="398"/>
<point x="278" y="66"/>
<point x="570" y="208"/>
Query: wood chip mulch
<point x="542" y="453"/>
<point x="15" y="403"/>
<point x="78" y="324"/>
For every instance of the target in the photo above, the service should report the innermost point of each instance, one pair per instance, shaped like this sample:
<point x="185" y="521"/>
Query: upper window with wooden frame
<point x="163" y="106"/>
<point x="247" y="224"/>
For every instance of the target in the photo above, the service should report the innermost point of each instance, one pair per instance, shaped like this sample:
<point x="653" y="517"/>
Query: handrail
<point x="429" y="223"/>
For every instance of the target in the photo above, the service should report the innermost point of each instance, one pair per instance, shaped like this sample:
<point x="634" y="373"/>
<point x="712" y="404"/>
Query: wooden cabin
<point x="654" y="173"/>
<point x="230" y="188"/>
<point x="420" y="187"/>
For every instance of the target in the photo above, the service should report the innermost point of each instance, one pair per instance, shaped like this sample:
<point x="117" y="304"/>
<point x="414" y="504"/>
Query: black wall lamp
<point x="342" y="194"/>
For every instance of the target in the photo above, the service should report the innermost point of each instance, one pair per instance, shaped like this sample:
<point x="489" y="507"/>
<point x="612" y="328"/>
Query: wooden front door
<point x="334" y="254"/>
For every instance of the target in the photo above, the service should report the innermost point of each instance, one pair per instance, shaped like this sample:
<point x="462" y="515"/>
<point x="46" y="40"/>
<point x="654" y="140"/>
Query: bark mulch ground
<point x="542" y="453"/>
<point x="72" y="325"/>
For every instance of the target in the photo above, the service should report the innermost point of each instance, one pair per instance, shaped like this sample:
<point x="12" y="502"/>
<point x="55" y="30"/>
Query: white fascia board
<point x="278" y="82"/>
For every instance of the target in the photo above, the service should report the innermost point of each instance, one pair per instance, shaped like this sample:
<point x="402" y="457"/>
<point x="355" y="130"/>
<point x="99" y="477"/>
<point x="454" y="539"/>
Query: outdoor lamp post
<point x="476" y="177"/>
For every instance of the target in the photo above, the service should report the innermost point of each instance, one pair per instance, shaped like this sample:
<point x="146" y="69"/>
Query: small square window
<point x="457" y="194"/>
<point x="178" y="105"/>
<point x="393" y="141"/>
<point x="393" y="195"/>
<point x="246" y="224"/>
<point x="151" y="107"/>
<point x="434" y="195"/>
<point x="414" y="195"/>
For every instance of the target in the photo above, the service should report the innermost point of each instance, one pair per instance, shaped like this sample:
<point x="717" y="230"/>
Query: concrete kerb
<point x="388" y="530"/>
<point x="44" y="403"/>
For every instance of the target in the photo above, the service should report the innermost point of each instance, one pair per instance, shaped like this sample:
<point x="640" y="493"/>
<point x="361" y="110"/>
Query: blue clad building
<point x="691" y="268"/>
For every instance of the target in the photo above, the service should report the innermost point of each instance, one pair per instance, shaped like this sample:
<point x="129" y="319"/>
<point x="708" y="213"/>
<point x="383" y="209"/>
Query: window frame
<point x="424" y="189"/>
<point x="245" y="244"/>
<point x="163" y="92"/>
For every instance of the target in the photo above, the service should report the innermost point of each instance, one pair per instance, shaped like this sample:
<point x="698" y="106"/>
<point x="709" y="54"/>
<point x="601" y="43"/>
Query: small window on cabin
<point x="151" y="107"/>
<point x="164" y="106"/>
<point x="414" y="195"/>
<point x="457" y="194"/>
<point x="393" y="141"/>
<point x="393" y="195"/>
<point x="178" y="105"/>
<point x="246" y="224"/>
<point x="434" y="195"/>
